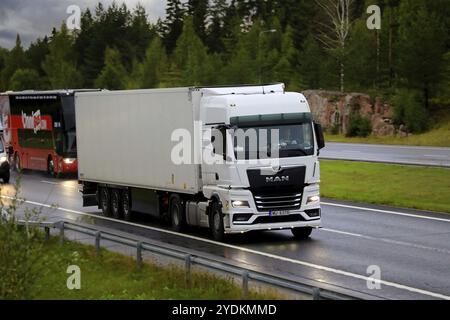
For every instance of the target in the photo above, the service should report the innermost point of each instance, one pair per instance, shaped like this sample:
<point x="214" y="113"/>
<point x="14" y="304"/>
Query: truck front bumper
<point x="241" y="220"/>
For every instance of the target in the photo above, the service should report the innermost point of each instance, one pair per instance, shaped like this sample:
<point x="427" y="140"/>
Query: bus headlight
<point x="69" y="160"/>
<point x="240" y="204"/>
<point x="312" y="199"/>
<point x="3" y="159"/>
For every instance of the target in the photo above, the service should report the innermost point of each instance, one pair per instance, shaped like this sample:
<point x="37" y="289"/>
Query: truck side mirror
<point x="319" y="136"/>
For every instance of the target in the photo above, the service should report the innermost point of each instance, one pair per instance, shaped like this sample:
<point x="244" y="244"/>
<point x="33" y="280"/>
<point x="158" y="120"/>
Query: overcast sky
<point x="36" y="18"/>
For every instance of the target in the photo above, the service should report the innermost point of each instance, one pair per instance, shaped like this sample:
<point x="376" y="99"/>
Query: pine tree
<point x="14" y="60"/>
<point x="198" y="10"/>
<point x="113" y="75"/>
<point x="59" y="65"/>
<point x="191" y="57"/>
<point x="155" y="65"/>
<point x="422" y="40"/>
<point x="173" y="24"/>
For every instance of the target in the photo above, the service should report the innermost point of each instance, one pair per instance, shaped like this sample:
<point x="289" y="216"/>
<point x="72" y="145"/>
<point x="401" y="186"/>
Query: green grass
<point x="438" y="136"/>
<point x="115" y="276"/>
<point x="402" y="186"/>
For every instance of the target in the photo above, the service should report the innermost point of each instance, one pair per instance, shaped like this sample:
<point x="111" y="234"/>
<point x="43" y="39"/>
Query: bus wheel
<point x="50" y="167"/>
<point x="17" y="165"/>
<point x="302" y="233"/>
<point x="176" y="212"/>
<point x="105" y="201"/>
<point x="126" y="205"/>
<point x="116" y="206"/>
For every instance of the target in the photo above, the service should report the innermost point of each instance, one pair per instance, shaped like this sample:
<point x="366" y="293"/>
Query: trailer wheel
<point x="126" y="206"/>
<point x="302" y="233"/>
<point x="216" y="222"/>
<point x="105" y="201"/>
<point x="116" y="205"/>
<point x="176" y="212"/>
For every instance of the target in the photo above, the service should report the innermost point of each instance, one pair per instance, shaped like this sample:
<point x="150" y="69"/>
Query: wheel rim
<point x="17" y="163"/>
<point x="51" y="167"/>
<point x="115" y="204"/>
<point x="175" y="217"/>
<point x="216" y="222"/>
<point x="126" y="205"/>
<point x="104" y="200"/>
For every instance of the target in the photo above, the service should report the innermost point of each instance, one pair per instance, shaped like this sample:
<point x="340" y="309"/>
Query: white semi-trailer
<point x="232" y="159"/>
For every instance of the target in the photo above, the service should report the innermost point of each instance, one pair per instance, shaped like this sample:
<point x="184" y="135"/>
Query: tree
<point x="114" y="75"/>
<point x="25" y="79"/>
<point x="14" y="59"/>
<point x="172" y="27"/>
<point x="60" y="65"/>
<point x="198" y="10"/>
<point x="311" y="61"/>
<point x="154" y="66"/>
<point x="335" y="32"/>
<point x="36" y="54"/>
<point x="422" y="40"/>
<point x="191" y="57"/>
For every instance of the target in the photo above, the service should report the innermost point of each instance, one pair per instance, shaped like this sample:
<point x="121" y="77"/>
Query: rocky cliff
<point x="333" y="110"/>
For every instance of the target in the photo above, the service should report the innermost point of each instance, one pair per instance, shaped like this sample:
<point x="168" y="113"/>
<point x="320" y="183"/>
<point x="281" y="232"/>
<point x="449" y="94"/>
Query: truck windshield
<point x="273" y="136"/>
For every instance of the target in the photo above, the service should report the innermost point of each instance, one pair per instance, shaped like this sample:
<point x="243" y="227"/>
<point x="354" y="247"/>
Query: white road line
<point x="397" y="242"/>
<point x="264" y="254"/>
<point x="58" y="184"/>
<point x="385" y="211"/>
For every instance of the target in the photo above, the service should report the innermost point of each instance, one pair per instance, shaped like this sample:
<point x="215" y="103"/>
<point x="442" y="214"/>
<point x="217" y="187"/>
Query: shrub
<point x="359" y="126"/>
<point x="21" y="255"/>
<point x="409" y="110"/>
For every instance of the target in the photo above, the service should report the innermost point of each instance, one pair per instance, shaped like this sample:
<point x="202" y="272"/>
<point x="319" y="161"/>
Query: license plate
<point x="279" y="213"/>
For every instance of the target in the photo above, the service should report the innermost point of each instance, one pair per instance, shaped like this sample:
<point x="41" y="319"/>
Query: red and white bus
<point x="39" y="130"/>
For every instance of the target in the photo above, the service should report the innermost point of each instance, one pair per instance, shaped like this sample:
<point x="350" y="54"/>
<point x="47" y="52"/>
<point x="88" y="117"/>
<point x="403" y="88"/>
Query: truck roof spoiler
<point x="246" y="89"/>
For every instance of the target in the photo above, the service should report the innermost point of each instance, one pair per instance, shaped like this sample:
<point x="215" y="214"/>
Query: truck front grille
<point x="278" y="202"/>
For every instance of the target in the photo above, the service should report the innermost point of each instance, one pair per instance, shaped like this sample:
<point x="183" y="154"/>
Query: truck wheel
<point x="116" y="206"/>
<point x="176" y="212"/>
<point x="302" y="233"/>
<point x="216" y="222"/>
<point x="126" y="206"/>
<point x="105" y="201"/>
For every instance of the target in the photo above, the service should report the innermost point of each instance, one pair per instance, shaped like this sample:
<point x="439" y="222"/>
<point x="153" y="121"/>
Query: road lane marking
<point x="58" y="184"/>
<point x="260" y="253"/>
<point x="397" y="242"/>
<point x="385" y="211"/>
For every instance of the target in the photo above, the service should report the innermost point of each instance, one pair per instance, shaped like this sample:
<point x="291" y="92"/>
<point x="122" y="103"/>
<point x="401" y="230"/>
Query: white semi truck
<point x="231" y="159"/>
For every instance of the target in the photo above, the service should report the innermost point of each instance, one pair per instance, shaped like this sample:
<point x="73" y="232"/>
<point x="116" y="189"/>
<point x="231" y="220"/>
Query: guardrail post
<point x="316" y="294"/>
<point x="139" y="254"/>
<point x="187" y="264"/>
<point x="61" y="234"/>
<point x="245" y="285"/>
<point x="47" y="233"/>
<point x="98" y="236"/>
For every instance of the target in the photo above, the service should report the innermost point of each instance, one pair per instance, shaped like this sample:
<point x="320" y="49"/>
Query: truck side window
<point x="218" y="140"/>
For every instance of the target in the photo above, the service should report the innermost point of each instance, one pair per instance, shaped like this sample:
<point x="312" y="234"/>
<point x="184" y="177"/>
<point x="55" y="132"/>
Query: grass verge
<point x="438" y="136"/>
<point x="401" y="186"/>
<point x="115" y="277"/>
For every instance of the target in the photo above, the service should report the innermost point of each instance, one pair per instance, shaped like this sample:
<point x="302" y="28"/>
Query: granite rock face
<point x="333" y="109"/>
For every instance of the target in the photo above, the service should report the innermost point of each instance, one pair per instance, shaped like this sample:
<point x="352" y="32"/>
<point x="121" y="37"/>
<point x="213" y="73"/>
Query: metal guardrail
<point x="315" y="291"/>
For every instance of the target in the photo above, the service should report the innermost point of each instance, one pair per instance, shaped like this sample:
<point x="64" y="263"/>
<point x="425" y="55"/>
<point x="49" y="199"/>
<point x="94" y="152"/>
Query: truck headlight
<point x="69" y="160"/>
<point x="3" y="159"/>
<point x="313" y="199"/>
<point x="240" y="204"/>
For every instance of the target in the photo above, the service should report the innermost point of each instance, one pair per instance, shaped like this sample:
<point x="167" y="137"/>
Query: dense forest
<point x="303" y="43"/>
